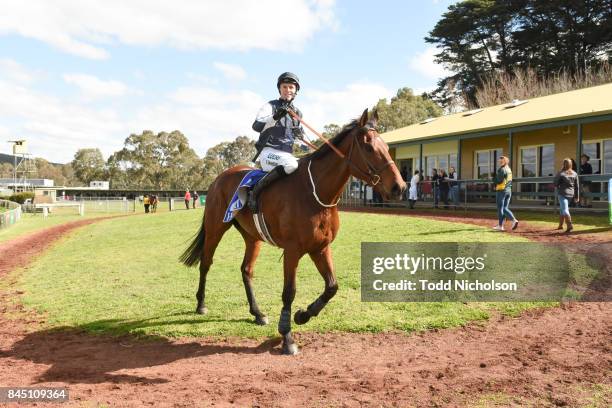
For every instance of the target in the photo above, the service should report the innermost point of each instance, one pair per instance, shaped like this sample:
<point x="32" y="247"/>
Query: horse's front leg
<point x="291" y="260"/>
<point x="324" y="263"/>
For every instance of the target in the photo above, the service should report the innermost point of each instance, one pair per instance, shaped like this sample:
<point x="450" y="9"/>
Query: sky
<point x="87" y="74"/>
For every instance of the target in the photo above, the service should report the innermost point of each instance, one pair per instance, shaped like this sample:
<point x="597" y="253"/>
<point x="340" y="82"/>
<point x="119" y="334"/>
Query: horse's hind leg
<point x="214" y="233"/>
<point x="247" y="268"/>
<point x="324" y="263"/>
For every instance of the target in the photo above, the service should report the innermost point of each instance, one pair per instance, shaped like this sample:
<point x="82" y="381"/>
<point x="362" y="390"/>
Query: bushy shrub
<point x="18" y="197"/>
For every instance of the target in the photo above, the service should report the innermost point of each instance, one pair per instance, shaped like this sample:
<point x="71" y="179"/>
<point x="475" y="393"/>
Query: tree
<point x="477" y="38"/>
<point x="6" y="170"/>
<point x="46" y="170"/>
<point x="88" y="165"/>
<point x="156" y="161"/>
<point x="404" y="109"/>
<point x="225" y="155"/>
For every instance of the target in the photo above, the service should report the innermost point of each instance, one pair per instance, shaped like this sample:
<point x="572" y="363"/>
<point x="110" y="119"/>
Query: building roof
<point x="593" y="101"/>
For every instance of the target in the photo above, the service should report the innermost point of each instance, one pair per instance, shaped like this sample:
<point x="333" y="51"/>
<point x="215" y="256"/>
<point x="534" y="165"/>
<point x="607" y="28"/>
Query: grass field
<point x="34" y="222"/>
<point x="122" y="276"/>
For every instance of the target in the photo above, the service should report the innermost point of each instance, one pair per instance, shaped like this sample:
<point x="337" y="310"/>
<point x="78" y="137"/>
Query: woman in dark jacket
<point x="566" y="182"/>
<point x="444" y="187"/>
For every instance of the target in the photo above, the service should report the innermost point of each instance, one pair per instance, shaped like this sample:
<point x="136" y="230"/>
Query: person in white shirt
<point x="413" y="192"/>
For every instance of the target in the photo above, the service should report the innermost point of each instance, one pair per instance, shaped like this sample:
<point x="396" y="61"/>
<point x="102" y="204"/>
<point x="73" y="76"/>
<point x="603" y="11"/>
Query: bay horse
<point x="301" y="214"/>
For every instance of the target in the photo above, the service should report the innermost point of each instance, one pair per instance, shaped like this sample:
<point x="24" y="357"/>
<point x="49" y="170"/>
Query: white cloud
<point x="230" y="71"/>
<point x="423" y="63"/>
<point x="56" y="128"/>
<point x="94" y="87"/>
<point x="340" y="106"/>
<point x="14" y="71"/>
<point x="207" y="116"/>
<point x="84" y="27"/>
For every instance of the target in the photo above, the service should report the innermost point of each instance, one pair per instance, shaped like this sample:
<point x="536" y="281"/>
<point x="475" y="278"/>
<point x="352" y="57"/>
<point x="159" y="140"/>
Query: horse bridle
<point x="373" y="173"/>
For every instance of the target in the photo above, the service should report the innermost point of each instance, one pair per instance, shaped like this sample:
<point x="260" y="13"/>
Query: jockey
<point x="278" y="132"/>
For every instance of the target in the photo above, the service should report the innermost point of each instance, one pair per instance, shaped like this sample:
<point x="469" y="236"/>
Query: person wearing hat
<point x="278" y="132"/>
<point x="585" y="185"/>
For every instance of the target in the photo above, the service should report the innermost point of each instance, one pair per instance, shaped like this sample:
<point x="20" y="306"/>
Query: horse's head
<point x="372" y="162"/>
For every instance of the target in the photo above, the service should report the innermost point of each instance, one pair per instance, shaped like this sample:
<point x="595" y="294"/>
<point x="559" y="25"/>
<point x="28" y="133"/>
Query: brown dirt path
<point x="550" y="357"/>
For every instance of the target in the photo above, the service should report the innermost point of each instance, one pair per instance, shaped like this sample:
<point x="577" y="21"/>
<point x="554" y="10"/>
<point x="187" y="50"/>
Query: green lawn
<point x="122" y="276"/>
<point x="34" y="222"/>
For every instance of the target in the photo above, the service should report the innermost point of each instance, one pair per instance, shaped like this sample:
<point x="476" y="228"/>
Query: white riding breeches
<point x="270" y="158"/>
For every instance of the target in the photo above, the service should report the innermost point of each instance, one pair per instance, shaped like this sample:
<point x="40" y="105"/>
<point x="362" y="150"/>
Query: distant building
<point x="536" y="134"/>
<point x="29" y="183"/>
<point x="100" y="185"/>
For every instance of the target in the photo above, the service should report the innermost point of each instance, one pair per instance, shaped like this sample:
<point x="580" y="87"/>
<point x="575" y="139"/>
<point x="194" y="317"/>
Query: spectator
<point x="444" y="186"/>
<point x="187" y="198"/>
<point x="147" y="203"/>
<point x="435" y="182"/>
<point x="413" y="192"/>
<point x="404" y="173"/>
<point x="566" y="183"/>
<point x="585" y="185"/>
<point x="454" y="186"/>
<point x="503" y="194"/>
<point x="154" y="201"/>
<point x="195" y="198"/>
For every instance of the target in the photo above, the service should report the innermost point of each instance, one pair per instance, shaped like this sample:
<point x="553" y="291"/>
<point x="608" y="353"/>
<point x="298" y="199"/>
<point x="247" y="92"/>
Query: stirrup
<point x="252" y="202"/>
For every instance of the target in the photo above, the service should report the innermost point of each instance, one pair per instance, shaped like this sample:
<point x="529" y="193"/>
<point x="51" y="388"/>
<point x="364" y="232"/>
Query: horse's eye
<point x="368" y="148"/>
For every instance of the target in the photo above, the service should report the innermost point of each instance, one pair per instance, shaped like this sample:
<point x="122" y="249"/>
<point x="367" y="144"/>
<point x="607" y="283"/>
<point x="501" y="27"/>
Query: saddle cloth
<point x="240" y="195"/>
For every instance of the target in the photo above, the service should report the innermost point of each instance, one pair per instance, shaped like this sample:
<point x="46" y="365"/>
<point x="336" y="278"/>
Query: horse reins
<point x="372" y="174"/>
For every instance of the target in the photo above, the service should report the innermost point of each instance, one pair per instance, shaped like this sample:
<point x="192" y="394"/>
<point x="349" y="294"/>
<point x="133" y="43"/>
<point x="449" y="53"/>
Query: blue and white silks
<point x="240" y="196"/>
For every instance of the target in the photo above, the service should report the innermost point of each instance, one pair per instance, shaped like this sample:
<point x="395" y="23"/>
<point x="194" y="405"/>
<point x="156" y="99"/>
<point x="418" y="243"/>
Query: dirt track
<point x="545" y="357"/>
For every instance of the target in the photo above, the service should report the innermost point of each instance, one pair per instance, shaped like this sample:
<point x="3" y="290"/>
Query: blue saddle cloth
<point x="240" y="195"/>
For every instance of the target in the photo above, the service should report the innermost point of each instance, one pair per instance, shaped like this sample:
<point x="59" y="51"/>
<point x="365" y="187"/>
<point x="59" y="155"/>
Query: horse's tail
<point x="192" y="254"/>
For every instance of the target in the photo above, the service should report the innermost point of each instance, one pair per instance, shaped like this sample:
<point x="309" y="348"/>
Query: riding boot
<point x="274" y="174"/>
<point x="568" y="221"/>
<point x="561" y="220"/>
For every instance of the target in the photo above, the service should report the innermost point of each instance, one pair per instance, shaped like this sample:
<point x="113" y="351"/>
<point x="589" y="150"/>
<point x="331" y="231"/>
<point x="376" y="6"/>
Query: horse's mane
<point x="336" y="140"/>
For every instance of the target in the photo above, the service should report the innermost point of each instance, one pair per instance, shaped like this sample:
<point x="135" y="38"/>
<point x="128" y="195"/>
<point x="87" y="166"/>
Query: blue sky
<point x="89" y="73"/>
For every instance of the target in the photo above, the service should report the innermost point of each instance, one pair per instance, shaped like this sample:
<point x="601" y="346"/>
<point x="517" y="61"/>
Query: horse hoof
<point x="262" y="320"/>
<point x="291" y="349"/>
<point x="301" y="317"/>
<point x="202" y="310"/>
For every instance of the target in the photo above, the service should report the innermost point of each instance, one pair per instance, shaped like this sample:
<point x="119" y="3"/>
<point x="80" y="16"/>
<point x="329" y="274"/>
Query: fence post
<point x="466" y="194"/>
<point x="610" y="201"/>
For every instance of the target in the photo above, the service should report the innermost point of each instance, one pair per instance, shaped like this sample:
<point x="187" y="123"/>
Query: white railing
<point x="11" y="213"/>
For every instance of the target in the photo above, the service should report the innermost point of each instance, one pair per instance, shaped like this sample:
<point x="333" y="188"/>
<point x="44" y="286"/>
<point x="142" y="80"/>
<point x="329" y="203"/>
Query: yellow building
<point x="536" y="134"/>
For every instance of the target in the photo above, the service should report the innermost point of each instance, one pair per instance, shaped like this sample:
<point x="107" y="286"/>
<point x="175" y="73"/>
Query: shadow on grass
<point x="449" y="231"/>
<point x="127" y="327"/>
<point x="76" y="356"/>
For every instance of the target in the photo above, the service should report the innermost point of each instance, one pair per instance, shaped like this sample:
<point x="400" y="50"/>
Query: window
<point x="537" y="161"/>
<point x="607" y="168"/>
<point x="453" y="161"/>
<point x="486" y="163"/>
<point x="547" y="161"/>
<point x="440" y="161"/>
<point x="593" y="150"/>
<point x="600" y="153"/>
<point x="529" y="162"/>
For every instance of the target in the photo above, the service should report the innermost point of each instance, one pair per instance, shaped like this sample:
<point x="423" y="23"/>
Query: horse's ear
<point x="374" y="119"/>
<point x="364" y="118"/>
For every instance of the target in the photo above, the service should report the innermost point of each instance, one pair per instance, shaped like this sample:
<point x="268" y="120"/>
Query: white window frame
<point x="492" y="166"/>
<point x="537" y="163"/>
<point x="601" y="147"/>
<point x="437" y="162"/>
